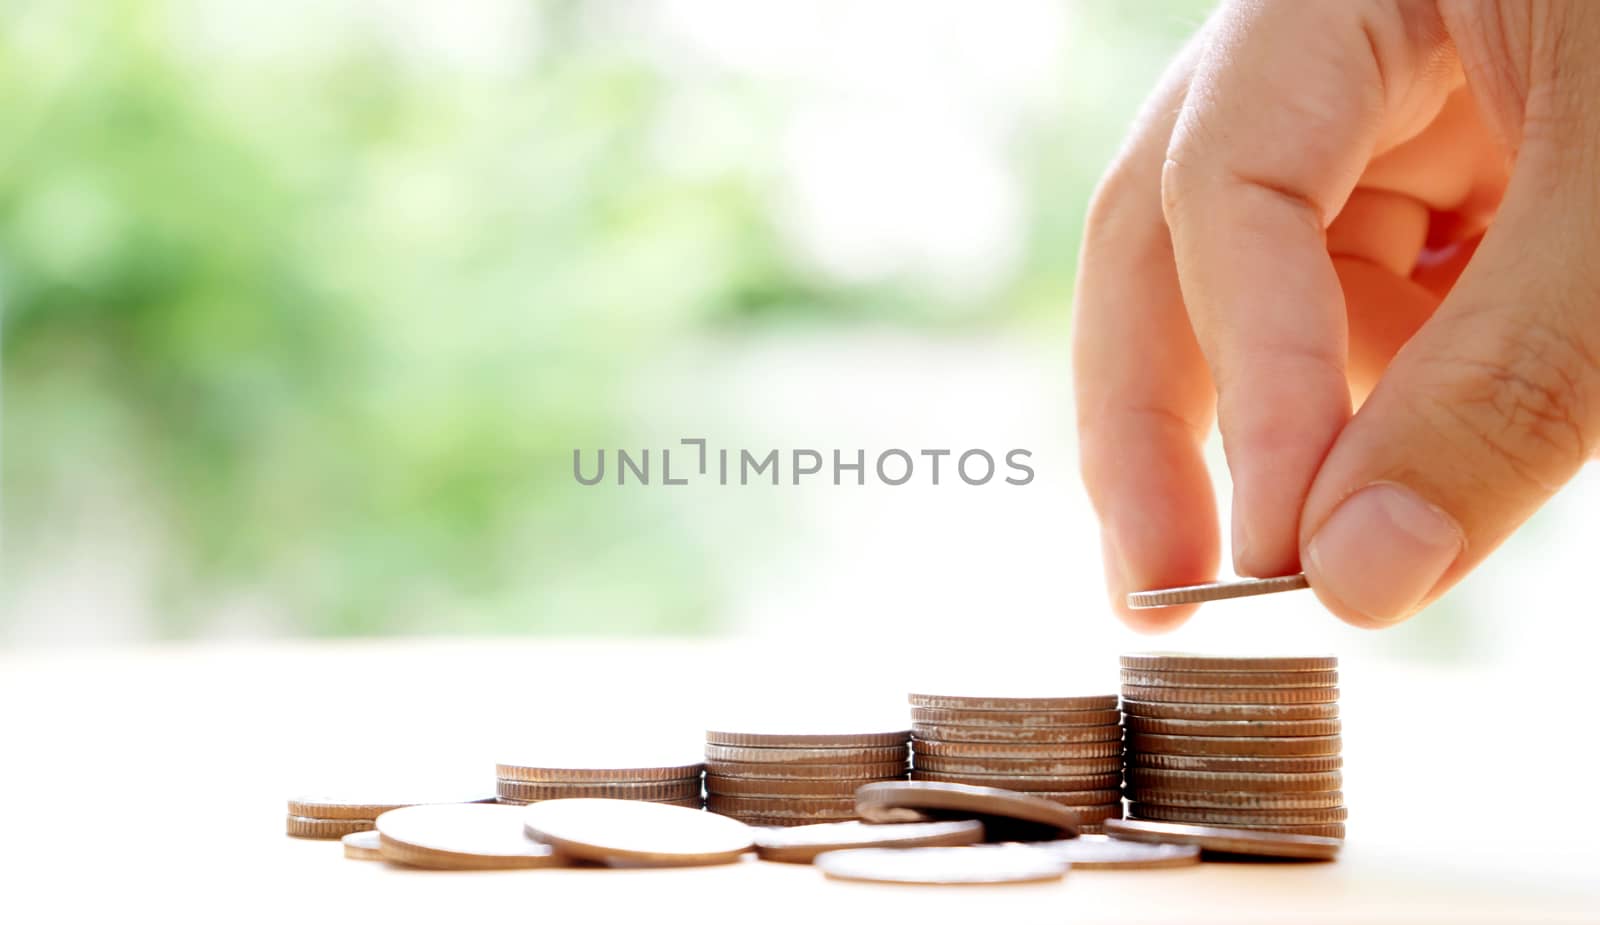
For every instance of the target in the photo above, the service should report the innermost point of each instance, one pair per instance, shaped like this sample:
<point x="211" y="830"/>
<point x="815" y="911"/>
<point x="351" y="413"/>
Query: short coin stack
<point x="1250" y="743"/>
<point x="1064" y="749"/>
<point x="797" y="778"/>
<point x="532" y="783"/>
<point x="335" y="816"/>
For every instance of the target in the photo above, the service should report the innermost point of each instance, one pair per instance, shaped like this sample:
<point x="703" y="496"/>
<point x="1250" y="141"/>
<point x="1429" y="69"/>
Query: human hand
<point x="1389" y="204"/>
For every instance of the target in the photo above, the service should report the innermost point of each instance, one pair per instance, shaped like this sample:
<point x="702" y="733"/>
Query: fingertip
<point x="1151" y="621"/>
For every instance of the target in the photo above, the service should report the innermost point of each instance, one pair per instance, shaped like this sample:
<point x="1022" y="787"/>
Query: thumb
<point x="1490" y="408"/>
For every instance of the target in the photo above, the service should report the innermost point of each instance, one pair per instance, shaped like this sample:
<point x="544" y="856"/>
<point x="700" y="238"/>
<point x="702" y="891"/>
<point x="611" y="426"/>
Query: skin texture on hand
<point x="1363" y="238"/>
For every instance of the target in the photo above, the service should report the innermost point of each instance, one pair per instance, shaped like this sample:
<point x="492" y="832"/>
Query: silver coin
<point x="1215" y="591"/>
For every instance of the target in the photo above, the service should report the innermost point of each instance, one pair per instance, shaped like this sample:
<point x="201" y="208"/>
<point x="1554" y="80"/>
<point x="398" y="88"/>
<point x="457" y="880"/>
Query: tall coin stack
<point x="797" y="778"/>
<point x="1065" y="749"/>
<point x="531" y="783"/>
<point x="1240" y="742"/>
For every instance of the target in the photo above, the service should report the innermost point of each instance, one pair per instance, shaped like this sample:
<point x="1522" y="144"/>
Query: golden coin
<point x="1232" y="711"/>
<point x="974" y="864"/>
<point x="1101" y="852"/>
<point x="1232" y="763"/>
<point x="722" y="753"/>
<point x="1214" y="679"/>
<point x="759" y="820"/>
<point x="1071" y="797"/>
<point x="306" y="827"/>
<point x="602" y="773"/>
<point x="1236" y="728"/>
<point x="1052" y="766"/>
<point x="985" y="802"/>
<point x="1025" y="782"/>
<point x="1250" y="695"/>
<point x="1238" y="799"/>
<point x="462" y="836"/>
<point x="1234" y="746"/>
<point x="782" y="806"/>
<point x="800" y="844"/>
<point x="1251" y="842"/>
<point x="769" y="787"/>
<point x="1207" y="816"/>
<point x="808" y="739"/>
<point x="1017" y="704"/>
<point x="1017" y="735"/>
<point x="375" y="803"/>
<point x="1186" y="661"/>
<point x="635" y="833"/>
<point x="1142" y="778"/>
<point x="1011" y="719"/>
<point x="998" y="750"/>
<point x="525" y="792"/>
<point x="1096" y="813"/>
<point x="780" y="771"/>
<point x="362" y="846"/>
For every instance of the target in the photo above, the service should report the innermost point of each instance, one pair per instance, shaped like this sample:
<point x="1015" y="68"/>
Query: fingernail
<point x="1383" y="550"/>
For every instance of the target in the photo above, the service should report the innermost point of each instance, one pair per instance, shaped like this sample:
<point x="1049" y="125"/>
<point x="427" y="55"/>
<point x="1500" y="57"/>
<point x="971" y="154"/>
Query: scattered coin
<point x="1013" y="718"/>
<point x="974" y="864"/>
<point x="1235" y="763"/>
<point x="1046" y="782"/>
<point x="1245" y="781"/>
<point x="1250" y="695"/>
<point x="780" y="771"/>
<point x="984" y="802"/>
<point x="1231" y="711"/>
<point x="636" y="833"/>
<point x="808" y="739"/>
<point x="800" y="844"/>
<point x="463" y="836"/>
<point x="306" y="827"/>
<point x="1250" y="842"/>
<point x="1027" y="751"/>
<point x="1101" y="852"/>
<point x="363" y="846"/>
<point x="372" y="804"/>
<point x="1186" y="661"/>
<point x="1017" y="735"/>
<point x="769" y="787"/>
<point x="524" y="792"/>
<point x="763" y="755"/>
<point x="1034" y="766"/>
<point x="1248" y="727"/>
<point x="539" y="774"/>
<point x="1235" y="746"/>
<point x="1210" y="679"/>
<point x="1017" y="704"/>
<point x="1214" y="591"/>
<point x="1238" y="799"/>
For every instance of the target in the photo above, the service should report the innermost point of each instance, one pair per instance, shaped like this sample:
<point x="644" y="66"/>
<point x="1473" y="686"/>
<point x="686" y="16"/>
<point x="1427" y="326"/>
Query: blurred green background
<point x="305" y="306"/>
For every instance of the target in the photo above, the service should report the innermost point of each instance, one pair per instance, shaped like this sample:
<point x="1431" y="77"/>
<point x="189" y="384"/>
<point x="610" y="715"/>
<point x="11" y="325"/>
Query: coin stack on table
<point x="533" y="783"/>
<point x="1250" y="743"/>
<point x="797" y="778"/>
<point x="1064" y="749"/>
<point x="331" y="816"/>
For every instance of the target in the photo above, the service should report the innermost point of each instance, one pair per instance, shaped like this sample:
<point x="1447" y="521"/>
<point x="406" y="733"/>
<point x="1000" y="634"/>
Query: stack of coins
<point x="797" y="778"/>
<point x="1249" y="743"/>
<point x="1065" y="749"/>
<point x="531" y="783"/>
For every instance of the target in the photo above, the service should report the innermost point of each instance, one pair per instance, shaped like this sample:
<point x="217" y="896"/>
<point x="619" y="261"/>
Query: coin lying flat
<point x="1233" y="746"/>
<point x="808" y="739"/>
<point x="1206" y="816"/>
<point x="371" y="805"/>
<point x="1017" y="735"/>
<point x="1037" y="766"/>
<point x="539" y="774"/>
<point x="1238" y="799"/>
<point x="525" y="792"/>
<point x="1245" y="781"/>
<point x="306" y="827"/>
<point x="1029" y="751"/>
<point x="770" y="787"/>
<point x="1013" y="718"/>
<point x="1017" y="704"/>
<point x="1238" y="728"/>
<point x="1230" y="678"/>
<point x="764" y="755"/>
<point x="1189" y="661"/>
<point x="983" y="802"/>
<point x="1250" y="842"/>
<point x="1232" y="711"/>
<point x="975" y="864"/>
<point x="1251" y="695"/>
<point x="1214" y="591"/>
<point x="363" y="846"/>
<point x="800" y="844"/>
<point x="635" y="833"/>
<point x="1236" y="763"/>
<point x="1027" y="783"/>
<point x="781" y="771"/>
<point x="1101" y="852"/>
<point x="466" y="836"/>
